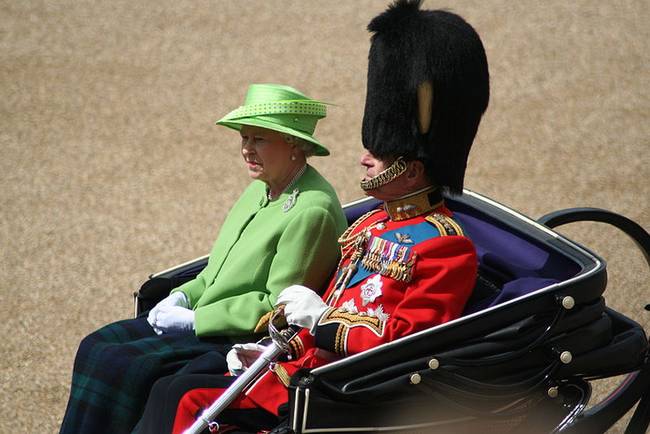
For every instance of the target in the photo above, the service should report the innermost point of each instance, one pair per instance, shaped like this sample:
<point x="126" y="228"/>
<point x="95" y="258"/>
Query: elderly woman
<point x="283" y="230"/>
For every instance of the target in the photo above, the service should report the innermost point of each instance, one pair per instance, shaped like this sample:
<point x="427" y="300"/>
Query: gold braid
<point x="384" y="177"/>
<point x="345" y="239"/>
<point x="352" y="246"/>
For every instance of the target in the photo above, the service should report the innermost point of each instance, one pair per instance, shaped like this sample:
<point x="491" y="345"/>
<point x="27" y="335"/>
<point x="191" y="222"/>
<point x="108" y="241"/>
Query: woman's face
<point x="267" y="154"/>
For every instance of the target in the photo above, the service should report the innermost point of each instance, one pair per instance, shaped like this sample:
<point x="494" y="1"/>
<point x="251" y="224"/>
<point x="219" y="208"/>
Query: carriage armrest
<point x="160" y="284"/>
<point x="154" y="290"/>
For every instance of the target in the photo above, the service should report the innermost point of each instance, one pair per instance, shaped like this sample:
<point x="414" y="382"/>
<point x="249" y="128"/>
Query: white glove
<point x="302" y="306"/>
<point x="241" y="356"/>
<point x="171" y="318"/>
<point x="173" y="299"/>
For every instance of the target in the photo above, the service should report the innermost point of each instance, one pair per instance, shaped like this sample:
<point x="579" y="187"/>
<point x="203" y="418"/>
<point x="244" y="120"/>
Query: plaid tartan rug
<point x="116" y="366"/>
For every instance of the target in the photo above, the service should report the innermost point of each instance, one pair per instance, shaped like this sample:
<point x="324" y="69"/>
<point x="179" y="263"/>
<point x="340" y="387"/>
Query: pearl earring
<point x="293" y="158"/>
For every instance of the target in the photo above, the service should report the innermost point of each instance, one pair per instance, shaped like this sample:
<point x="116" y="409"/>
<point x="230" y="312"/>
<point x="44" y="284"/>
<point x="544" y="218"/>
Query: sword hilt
<point x="281" y="337"/>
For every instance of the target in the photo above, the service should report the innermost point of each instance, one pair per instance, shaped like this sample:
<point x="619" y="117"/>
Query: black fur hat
<point x="428" y="86"/>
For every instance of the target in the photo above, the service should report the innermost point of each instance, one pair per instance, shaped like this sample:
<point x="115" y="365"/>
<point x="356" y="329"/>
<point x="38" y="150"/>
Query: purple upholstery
<point x="513" y="254"/>
<point x="510" y="290"/>
<point x="521" y="264"/>
<point x="354" y="212"/>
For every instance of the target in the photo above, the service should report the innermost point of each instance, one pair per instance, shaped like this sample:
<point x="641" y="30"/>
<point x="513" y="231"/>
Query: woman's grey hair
<point x="308" y="148"/>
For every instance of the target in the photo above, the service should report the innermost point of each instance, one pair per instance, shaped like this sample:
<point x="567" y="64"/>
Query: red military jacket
<point x="410" y="275"/>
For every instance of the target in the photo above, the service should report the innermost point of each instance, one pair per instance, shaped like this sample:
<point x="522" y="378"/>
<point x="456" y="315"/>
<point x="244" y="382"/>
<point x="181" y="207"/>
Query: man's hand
<point x="302" y="306"/>
<point x="242" y="356"/>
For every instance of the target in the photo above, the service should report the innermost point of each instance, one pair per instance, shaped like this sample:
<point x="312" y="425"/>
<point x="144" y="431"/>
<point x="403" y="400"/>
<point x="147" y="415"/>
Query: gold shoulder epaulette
<point x="445" y="225"/>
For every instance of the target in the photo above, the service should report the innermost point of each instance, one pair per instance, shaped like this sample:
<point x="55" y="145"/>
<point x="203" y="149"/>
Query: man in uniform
<point x="405" y="266"/>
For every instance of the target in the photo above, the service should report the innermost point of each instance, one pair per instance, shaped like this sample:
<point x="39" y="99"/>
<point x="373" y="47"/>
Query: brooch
<point x="291" y="200"/>
<point x="371" y="289"/>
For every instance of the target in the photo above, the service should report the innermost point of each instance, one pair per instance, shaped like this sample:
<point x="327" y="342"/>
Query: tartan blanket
<point x="116" y="366"/>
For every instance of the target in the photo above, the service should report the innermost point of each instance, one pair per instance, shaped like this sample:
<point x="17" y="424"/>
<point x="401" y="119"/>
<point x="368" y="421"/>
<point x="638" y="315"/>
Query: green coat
<point x="261" y="250"/>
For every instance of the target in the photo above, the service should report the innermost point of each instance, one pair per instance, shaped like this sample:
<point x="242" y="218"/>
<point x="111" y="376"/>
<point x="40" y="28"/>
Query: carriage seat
<point x="511" y="263"/>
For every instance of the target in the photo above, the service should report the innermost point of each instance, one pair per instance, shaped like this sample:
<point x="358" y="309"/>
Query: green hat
<point x="279" y="108"/>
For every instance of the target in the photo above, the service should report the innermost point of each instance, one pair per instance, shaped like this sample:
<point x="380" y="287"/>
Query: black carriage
<point x="534" y="334"/>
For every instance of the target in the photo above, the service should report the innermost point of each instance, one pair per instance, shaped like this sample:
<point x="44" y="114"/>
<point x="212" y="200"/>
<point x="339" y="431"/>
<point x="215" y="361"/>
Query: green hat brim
<point x="236" y="124"/>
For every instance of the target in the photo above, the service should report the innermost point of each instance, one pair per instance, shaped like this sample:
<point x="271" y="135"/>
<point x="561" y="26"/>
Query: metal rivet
<point x="415" y="379"/>
<point x="553" y="392"/>
<point x="568" y="302"/>
<point x="566" y="357"/>
<point x="434" y="364"/>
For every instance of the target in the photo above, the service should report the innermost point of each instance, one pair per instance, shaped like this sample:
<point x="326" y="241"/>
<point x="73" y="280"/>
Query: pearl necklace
<point x="293" y="181"/>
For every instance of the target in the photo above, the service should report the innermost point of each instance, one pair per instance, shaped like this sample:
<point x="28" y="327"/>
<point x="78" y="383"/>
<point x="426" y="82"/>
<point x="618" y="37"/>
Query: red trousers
<point x="176" y="402"/>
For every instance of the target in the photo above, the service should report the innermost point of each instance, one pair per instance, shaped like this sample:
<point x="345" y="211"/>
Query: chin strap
<point x="385" y="176"/>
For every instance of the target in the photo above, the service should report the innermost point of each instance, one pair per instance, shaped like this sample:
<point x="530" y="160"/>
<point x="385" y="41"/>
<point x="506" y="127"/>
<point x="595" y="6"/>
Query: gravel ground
<point x="111" y="167"/>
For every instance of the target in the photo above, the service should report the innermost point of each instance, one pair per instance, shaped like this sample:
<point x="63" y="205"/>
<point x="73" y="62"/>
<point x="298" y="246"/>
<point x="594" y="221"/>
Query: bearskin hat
<point x="428" y="86"/>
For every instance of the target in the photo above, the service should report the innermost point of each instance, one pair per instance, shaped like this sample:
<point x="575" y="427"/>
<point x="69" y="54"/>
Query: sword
<point x="280" y="345"/>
